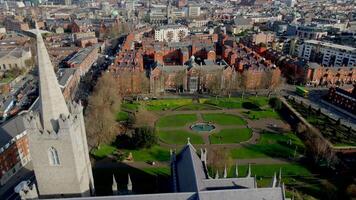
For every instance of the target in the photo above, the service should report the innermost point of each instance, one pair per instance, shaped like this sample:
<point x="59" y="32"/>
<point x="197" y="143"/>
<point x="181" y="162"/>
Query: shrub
<point x="144" y="137"/>
<point x="275" y="103"/>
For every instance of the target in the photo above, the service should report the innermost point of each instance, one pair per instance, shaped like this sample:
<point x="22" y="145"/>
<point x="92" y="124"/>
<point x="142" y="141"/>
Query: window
<point x="53" y="156"/>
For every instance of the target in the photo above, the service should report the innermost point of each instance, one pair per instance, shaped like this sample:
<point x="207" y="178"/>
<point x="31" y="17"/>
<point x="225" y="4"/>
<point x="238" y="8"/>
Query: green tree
<point x="144" y="137"/>
<point x="276" y="103"/>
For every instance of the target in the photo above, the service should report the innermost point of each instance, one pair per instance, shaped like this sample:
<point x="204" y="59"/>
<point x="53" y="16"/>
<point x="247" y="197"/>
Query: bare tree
<point x="213" y="82"/>
<point x="103" y="105"/>
<point x="179" y="80"/>
<point x="219" y="158"/>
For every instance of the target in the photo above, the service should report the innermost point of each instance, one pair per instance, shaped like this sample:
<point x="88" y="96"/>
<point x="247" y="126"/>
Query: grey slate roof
<point x="11" y="129"/>
<point x="190" y="170"/>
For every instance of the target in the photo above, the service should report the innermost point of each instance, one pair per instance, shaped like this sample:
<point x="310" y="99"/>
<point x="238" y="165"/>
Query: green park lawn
<point x="268" y="170"/>
<point x="270" y="145"/>
<point x="197" y="106"/>
<point x="155" y="153"/>
<point x="266" y="113"/>
<point x="130" y="106"/>
<point x="103" y="151"/>
<point x="229" y="136"/>
<point x="165" y="104"/>
<point x="237" y="102"/>
<point x="122" y="116"/>
<point x="179" y="137"/>
<point x="176" y="120"/>
<point x="223" y="119"/>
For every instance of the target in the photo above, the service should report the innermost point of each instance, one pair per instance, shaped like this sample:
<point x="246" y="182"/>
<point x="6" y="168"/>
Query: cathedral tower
<point x="57" y="137"/>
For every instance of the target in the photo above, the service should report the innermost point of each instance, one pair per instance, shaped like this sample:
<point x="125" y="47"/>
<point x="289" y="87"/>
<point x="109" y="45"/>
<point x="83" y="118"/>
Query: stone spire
<point x="237" y="170"/>
<point x="52" y="103"/>
<point x="249" y="170"/>
<point x="129" y="184"/>
<point x="274" y="180"/>
<point x="217" y="174"/>
<point x="280" y="177"/>
<point x="225" y="172"/>
<point x="114" y="186"/>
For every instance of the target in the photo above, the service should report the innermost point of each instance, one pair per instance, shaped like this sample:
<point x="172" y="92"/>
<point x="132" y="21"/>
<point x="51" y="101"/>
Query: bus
<point x="301" y="91"/>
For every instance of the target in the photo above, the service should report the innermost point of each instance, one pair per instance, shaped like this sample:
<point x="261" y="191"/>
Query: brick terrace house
<point x="343" y="98"/>
<point x="256" y="70"/>
<point x="14" y="150"/>
<point x="83" y="59"/>
<point x="298" y="70"/>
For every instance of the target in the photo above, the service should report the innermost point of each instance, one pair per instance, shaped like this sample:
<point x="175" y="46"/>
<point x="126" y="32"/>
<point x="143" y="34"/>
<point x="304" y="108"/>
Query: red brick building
<point x="14" y="150"/>
<point x="303" y="72"/>
<point x="84" y="59"/>
<point x="343" y="98"/>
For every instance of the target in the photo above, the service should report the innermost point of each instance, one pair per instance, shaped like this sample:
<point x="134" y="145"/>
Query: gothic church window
<point x="53" y="156"/>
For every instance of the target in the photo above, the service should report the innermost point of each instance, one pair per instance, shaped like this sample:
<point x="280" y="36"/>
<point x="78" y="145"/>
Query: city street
<point x="7" y="191"/>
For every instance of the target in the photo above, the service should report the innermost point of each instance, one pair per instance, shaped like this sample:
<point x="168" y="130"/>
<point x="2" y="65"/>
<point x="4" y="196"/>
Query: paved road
<point x="7" y="191"/>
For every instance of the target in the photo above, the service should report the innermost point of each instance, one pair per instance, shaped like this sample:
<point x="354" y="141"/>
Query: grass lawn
<point x="165" y="104"/>
<point x="268" y="170"/>
<point x="223" y="119"/>
<point x="230" y="103"/>
<point x="270" y="145"/>
<point x="197" y="106"/>
<point x="157" y="171"/>
<point x="155" y="153"/>
<point x="228" y="136"/>
<point x="179" y="137"/>
<point x="145" y="180"/>
<point x="122" y="116"/>
<point x="176" y="120"/>
<point x="130" y="106"/>
<point x="6" y="80"/>
<point x="266" y="113"/>
<point x="104" y="151"/>
<point x="236" y="102"/>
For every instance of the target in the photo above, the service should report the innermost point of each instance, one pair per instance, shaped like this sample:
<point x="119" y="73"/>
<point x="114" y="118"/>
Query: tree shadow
<point x="143" y="182"/>
<point x="251" y="106"/>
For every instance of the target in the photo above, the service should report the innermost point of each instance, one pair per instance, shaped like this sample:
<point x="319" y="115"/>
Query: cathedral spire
<point x="52" y="102"/>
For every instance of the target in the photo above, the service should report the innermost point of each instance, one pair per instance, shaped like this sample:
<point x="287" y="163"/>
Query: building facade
<point x="328" y="54"/>
<point x="14" y="149"/>
<point x="343" y="99"/>
<point x="171" y="33"/>
<point x="15" y="58"/>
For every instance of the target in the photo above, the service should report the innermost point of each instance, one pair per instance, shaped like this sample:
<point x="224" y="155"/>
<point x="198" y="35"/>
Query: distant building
<point x="68" y="79"/>
<point x="343" y="99"/>
<point x="193" y="10"/>
<point x="171" y="33"/>
<point x="14" y="149"/>
<point x="319" y="75"/>
<point x="14" y="58"/>
<point x="263" y="37"/>
<point x="311" y="33"/>
<point x="181" y="3"/>
<point x="12" y="24"/>
<point x="84" y="59"/>
<point x="328" y="54"/>
<point x="239" y="25"/>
